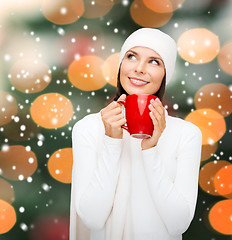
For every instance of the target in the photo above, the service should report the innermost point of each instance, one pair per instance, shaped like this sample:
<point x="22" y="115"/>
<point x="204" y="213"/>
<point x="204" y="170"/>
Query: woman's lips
<point x="137" y="82"/>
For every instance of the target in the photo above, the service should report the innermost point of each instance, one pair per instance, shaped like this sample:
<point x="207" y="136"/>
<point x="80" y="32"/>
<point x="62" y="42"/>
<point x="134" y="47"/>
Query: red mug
<point x="139" y="122"/>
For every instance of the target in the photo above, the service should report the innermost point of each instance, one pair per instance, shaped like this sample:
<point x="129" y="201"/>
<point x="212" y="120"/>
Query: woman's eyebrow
<point x="156" y="58"/>
<point x="152" y="57"/>
<point x="135" y="53"/>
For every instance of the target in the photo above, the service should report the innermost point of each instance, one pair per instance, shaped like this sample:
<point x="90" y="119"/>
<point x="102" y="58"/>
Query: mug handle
<point x="123" y="102"/>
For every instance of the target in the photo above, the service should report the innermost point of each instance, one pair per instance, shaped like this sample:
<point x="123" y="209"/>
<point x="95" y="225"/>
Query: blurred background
<point x="59" y="62"/>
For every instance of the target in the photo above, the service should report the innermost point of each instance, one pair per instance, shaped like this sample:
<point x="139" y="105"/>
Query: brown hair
<point x="120" y="90"/>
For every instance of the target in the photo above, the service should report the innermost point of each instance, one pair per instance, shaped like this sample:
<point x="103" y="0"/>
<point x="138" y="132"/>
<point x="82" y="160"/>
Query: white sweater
<point x="164" y="179"/>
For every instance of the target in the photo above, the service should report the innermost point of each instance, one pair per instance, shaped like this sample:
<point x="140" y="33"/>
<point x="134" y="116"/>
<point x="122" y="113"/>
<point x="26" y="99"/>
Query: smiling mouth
<point x="138" y="82"/>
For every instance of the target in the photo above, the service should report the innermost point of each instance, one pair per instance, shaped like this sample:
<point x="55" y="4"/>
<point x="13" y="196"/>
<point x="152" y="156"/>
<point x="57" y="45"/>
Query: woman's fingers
<point x="109" y="107"/>
<point x="113" y="118"/>
<point x="158" y="114"/>
<point x="116" y="119"/>
<point x="113" y="105"/>
<point x="113" y="112"/>
<point x="158" y="106"/>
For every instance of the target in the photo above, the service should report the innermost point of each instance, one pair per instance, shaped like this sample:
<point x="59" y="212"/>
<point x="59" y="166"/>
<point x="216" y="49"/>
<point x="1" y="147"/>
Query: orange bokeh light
<point x="145" y="17"/>
<point x="220" y="216"/>
<point x="6" y="191"/>
<point x="51" y="110"/>
<point x="207" y="175"/>
<point x="208" y="150"/>
<point x="99" y="9"/>
<point x="86" y="73"/>
<point x="211" y="123"/>
<point x="63" y="11"/>
<point x="216" y="96"/>
<point x="7" y="216"/>
<point x="60" y="165"/>
<point x="30" y="75"/>
<point x="108" y="2"/>
<point x="8" y="107"/>
<point x="223" y="181"/>
<point x="163" y="6"/>
<point x="17" y="162"/>
<point x="225" y="58"/>
<point x="110" y="69"/>
<point x="198" y="45"/>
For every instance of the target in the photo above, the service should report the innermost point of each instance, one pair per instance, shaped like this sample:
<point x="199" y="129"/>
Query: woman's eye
<point x="154" y="62"/>
<point x="131" y="56"/>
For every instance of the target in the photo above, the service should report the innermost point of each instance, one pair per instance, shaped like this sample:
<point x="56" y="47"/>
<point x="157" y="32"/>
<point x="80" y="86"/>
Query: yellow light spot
<point x="30" y="75"/>
<point x="7" y="216"/>
<point x="216" y="96"/>
<point x="146" y="17"/>
<point x="220" y="216"/>
<point x="45" y="116"/>
<point x="225" y="58"/>
<point x="60" y="165"/>
<point x="63" y="11"/>
<point x="207" y="176"/>
<point x="163" y="6"/>
<point x="79" y="74"/>
<point x="110" y="69"/>
<point x="15" y="163"/>
<point x="211" y="133"/>
<point x="205" y="48"/>
<point x="223" y="181"/>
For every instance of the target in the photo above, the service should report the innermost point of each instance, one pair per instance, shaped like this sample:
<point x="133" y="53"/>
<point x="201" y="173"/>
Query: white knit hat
<point x="158" y="41"/>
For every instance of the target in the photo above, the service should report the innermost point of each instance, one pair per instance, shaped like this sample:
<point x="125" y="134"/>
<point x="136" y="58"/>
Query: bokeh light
<point x="8" y="107"/>
<point x="220" y="216"/>
<point x="87" y="73"/>
<point x="51" y="110"/>
<point x="27" y="47"/>
<point x="110" y="69"/>
<point x="17" y="162"/>
<point x="223" y="181"/>
<point x="63" y="11"/>
<point x="60" y="165"/>
<point x="225" y="58"/>
<point x="211" y="123"/>
<point x="163" y="6"/>
<point x="75" y="45"/>
<point x="50" y="228"/>
<point x="1" y="37"/>
<point x="145" y="17"/>
<point x="7" y="216"/>
<point x="62" y="33"/>
<point x="207" y="175"/>
<point x="208" y="150"/>
<point x="216" y="96"/>
<point x="30" y="75"/>
<point x="22" y="127"/>
<point x="6" y="191"/>
<point x="107" y="2"/>
<point x="198" y="45"/>
<point x="97" y="8"/>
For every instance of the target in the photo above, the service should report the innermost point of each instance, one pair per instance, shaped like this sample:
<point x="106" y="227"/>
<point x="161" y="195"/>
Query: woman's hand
<point x="157" y="115"/>
<point x="113" y="118"/>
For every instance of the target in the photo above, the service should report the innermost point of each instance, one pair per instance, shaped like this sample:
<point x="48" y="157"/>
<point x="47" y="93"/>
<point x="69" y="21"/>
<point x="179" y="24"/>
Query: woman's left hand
<point x="157" y="115"/>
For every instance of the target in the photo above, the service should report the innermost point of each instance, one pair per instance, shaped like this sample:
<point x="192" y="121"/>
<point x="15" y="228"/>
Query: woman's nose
<point x="140" y="67"/>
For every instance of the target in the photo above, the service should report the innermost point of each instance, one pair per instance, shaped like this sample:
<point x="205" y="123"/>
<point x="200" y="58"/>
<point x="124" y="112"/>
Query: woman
<point x="125" y="188"/>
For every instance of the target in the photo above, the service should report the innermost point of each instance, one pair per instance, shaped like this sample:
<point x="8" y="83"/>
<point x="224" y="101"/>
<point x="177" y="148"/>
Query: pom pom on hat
<point x="158" y="41"/>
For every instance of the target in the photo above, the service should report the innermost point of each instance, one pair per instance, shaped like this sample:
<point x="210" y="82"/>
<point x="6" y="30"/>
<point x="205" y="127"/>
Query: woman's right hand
<point x="113" y="118"/>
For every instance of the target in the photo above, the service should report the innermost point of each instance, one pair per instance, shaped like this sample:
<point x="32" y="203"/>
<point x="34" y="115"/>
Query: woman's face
<point x="142" y="71"/>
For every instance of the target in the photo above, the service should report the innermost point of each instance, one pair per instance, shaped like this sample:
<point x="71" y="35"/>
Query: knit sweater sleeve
<point x="96" y="168"/>
<point x="176" y="200"/>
